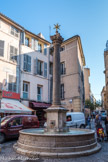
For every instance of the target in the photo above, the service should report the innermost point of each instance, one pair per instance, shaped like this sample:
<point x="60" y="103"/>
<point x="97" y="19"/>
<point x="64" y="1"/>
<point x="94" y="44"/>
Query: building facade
<point x="9" y="50"/>
<point x="86" y="83"/>
<point x="26" y="66"/>
<point x="106" y="77"/>
<point x="24" y="63"/>
<point x="103" y="98"/>
<point x="72" y="78"/>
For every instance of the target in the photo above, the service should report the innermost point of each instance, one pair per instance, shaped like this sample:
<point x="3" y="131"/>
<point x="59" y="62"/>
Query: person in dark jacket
<point x="106" y="126"/>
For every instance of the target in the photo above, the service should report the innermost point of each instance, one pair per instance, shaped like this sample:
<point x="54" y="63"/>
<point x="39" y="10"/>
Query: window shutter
<point x="45" y="69"/>
<point x="25" y="63"/>
<point x="36" y="45"/>
<point x="0" y="23"/>
<point x="11" y="52"/>
<point x="36" y="66"/>
<point x="60" y="68"/>
<point x="45" y="49"/>
<point x="22" y="37"/>
<point x="32" y="43"/>
<point x="29" y="63"/>
<point x="1" y="48"/>
<point x="35" y="70"/>
<point x="16" y="51"/>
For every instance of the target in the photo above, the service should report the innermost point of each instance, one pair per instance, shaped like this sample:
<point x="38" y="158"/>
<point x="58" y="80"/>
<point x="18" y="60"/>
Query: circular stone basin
<point x="76" y="142"/>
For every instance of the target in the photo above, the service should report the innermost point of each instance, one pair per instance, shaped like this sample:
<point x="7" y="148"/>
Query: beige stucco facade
<point x="86" y="83"/>
<point x="106" y="78"/>
<point x="7" y="66"/>
<point x="73" y="80"/>
<point x="103" y="97"/>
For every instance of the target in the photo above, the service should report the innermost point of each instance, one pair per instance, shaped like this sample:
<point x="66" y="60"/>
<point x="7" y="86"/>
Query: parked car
<point x="11" y="125"/>
<point x="103" y="115"/>
<point x="75" y="119"/>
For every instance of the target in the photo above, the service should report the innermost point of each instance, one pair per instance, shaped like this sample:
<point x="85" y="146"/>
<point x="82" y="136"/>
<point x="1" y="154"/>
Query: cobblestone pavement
<point x="9" y="155"/>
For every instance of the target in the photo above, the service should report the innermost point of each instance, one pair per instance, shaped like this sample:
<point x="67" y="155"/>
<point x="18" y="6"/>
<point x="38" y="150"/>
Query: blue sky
<point x="87" y="18"/>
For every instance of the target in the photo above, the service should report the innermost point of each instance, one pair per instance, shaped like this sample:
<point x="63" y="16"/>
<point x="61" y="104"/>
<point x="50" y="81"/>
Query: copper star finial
<point x="57" y="26"/>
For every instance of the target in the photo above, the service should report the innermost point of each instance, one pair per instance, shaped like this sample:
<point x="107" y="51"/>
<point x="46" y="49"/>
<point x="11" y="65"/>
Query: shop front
<point x="40" y="108"/>
<point x="10" y="104"/>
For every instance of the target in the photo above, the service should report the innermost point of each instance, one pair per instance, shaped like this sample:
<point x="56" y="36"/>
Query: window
<point x="63" y="69"/>
<point x="12" y="83"/>
<point x="14" y="31"/>
<point x="63" y="48"/>
<point x="13" y="53"/>
<point x="40" y="67"/>
<point x="16" y="122"/>
<point x="25" y="90"/>
<point x="33" y="44"/>
<point x="39" y="47"/>
<point x="68" y="118"/>
<point x="39" y="93"/>
<point x="27" y="41"/>
<point x="1" y="48"/>
<point x="27" y="63"/>
<point x="45" y="69"/>
<point x="51" y="68"/>
<point x="45" y="49"/>
<point x="82" y="76"/>
<point x="62" y="91"/>
<point x="22" y="37"/>
<point x="0" y="23"/>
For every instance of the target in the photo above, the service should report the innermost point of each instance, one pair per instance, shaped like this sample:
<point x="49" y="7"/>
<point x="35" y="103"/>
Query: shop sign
<point x="11" y="95"/>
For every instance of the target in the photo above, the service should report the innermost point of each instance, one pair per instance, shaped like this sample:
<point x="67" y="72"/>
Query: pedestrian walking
<point x="106" y="126"/>
<point x="97" y="121"/>
<point x="89" y="121"/>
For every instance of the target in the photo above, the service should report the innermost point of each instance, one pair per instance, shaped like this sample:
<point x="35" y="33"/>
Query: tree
<point x="89" y="104"/>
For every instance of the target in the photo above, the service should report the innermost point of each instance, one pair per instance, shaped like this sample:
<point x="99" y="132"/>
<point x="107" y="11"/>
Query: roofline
<point x="2" y="16"/>
<point x="76" y="37"/>
<point x="11" y="21"/>
<point x="69" y="39"/>
<point x="44" y="40"/>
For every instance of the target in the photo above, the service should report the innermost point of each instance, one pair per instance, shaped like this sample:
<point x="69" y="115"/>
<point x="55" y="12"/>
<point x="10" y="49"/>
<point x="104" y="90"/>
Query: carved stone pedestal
<point x="56" y="119"/>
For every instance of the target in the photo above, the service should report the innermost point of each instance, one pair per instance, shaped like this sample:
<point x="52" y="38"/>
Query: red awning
<point x="40" y="105"/>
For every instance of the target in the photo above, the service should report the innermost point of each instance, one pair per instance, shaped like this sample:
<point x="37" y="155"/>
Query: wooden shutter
<point x="45" y="69"/>
<point x="1" y="48"/>
<point x="35" y="70"/>
<point x="36" y="66"/>
<point x="36" y="45"/>
<point x="29" y="63"/>
<point x="22" y="37"/>
<point x="25" y="62"/>
<point x="11" y="52"/>
<point x="32" y="45"/>
<point x="45" y="49"/>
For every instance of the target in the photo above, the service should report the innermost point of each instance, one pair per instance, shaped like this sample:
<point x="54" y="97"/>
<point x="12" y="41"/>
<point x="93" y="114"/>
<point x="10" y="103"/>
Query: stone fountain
<point x="56" y="140"/>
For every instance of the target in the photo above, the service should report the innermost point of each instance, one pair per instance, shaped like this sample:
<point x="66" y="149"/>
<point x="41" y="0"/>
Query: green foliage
<point x="90" y="105"/>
